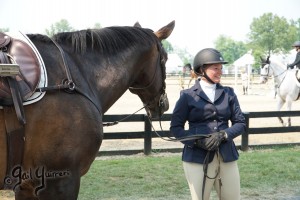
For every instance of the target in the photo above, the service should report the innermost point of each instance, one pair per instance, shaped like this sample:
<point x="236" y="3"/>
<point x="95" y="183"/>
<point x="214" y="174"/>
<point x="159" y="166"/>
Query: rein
<point x="282" y="79"/>
<point x="173" y="139"/>
<point x="116" y="122"/>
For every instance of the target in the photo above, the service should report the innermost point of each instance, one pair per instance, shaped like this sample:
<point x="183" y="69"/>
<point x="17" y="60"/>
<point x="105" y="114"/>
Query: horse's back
<point x="288" y="88"/>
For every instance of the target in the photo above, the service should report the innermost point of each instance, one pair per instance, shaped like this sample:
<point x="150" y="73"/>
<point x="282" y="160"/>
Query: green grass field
<point x="270" y="173"/>
<point x="266" y="173"/>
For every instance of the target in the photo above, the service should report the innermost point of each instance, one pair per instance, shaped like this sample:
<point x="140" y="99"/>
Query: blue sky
<point x="198" y="22"/>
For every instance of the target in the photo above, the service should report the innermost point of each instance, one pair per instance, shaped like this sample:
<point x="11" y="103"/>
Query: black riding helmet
<point x="296" y="44"/>
<point x="207" y="56"/>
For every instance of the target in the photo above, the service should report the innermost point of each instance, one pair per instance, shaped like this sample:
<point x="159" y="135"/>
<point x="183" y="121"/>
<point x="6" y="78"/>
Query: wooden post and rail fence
<point x="147" y="134"/>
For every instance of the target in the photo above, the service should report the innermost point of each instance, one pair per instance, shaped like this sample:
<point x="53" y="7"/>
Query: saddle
<point x="20" y="74"/>
<point x="17" y="53"/>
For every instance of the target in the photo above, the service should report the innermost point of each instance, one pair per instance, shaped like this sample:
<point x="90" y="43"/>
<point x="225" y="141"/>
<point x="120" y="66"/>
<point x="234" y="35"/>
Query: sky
<point x="198" y="23"/>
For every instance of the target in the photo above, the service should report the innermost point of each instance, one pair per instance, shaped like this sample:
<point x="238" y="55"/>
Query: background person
<point x="296" y="45"/>
<point x="244" y="77"/>
<point x="208" y="107"/>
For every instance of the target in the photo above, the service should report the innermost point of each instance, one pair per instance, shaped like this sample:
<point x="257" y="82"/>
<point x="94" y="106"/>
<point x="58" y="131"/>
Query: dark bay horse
<point x="64" y="130"/>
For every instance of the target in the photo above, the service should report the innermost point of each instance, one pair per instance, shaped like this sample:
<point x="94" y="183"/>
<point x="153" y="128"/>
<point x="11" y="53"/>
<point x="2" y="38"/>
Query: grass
<point x="266" y="173"/>
<point x="270" y="173"/>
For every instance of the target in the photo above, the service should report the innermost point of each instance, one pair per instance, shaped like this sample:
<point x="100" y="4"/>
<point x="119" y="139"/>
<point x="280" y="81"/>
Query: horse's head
<point x="266" y="70"/>
<point x="188" y="66"/>
<point x="150" y="85"/>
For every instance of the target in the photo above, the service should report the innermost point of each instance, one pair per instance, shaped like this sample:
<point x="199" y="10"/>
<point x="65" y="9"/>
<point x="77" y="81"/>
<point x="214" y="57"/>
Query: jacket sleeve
<point x="237" y="118"/>
<point x="297" y="60"/>
<point x="179" y="118"/>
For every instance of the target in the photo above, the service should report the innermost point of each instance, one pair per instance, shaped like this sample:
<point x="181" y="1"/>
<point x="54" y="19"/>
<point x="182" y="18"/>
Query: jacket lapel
<point x="198" y="90"/>
<point x="219" y="91"/>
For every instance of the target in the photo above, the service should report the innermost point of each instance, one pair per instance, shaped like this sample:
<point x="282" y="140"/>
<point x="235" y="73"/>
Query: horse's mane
<point x="277" y="62"/>
<point x="107" y="40"/>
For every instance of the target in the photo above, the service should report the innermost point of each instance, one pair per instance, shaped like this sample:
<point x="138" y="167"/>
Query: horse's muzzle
<point x="263" y="80"/>
<point x="161" y="107"/>
<point x="163" y="103"/>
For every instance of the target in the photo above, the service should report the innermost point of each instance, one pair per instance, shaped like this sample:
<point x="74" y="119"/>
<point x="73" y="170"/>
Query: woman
<point x="208" y="107"/>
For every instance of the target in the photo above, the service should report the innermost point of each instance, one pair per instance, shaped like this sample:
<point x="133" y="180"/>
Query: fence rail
<point x="148" y="133"/>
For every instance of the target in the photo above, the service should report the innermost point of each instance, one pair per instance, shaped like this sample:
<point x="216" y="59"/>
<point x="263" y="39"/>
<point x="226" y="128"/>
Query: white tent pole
<point x="249" y="75"/>
<point x="235" y="77"/>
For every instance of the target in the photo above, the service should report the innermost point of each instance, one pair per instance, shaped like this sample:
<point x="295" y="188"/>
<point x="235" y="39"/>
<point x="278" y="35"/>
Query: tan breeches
<point x="228" y="175"/>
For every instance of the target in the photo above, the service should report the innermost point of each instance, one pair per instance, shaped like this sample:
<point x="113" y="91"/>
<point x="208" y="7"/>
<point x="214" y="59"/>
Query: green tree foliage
<point x="231" y="50"/>
<point x="97" y="26"/>
<point x="183" y="54"/>
<point x="296" y="25"/>
<point x="167" y="46"/>
<point x="61" y="26"/>
<point x="4" y="29"/>
<point x="272" y="33"/>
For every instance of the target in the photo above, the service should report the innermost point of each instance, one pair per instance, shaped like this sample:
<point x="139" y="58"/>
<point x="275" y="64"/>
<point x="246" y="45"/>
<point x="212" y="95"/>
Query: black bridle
<point x="163" y="103"/>
<point x="267" y="75"/>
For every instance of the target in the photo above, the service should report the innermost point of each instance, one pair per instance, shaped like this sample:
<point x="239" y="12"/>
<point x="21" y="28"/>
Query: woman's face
<point x="214" y="72"/>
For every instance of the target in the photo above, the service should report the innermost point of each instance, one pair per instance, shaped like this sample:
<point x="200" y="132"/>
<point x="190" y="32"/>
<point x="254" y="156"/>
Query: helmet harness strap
<point x="204" y="75"/>
<point x="207" y="78"/>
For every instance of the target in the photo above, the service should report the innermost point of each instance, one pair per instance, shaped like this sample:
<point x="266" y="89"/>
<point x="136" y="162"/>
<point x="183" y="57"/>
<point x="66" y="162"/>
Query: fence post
<point x="245" y="136"/>
<point x="147" y="137"/>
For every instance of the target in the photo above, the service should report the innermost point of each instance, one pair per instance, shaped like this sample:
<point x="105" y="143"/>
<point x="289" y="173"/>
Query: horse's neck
<point x="113" y="89"/>
<point x="278" y="72"/>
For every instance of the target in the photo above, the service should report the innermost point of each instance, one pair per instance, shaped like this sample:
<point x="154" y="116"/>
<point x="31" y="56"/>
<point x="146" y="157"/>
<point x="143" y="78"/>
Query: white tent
<point x="244" y="62"/>
<point x="174" y="64"/>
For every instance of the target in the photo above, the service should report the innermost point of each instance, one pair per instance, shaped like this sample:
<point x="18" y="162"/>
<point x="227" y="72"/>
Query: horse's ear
<point x="165" y="31"/>
<point x="137" y="24"/>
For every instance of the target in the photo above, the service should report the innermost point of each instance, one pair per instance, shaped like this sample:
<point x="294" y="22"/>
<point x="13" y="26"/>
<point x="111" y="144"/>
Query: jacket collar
<point x="199" y="91"/>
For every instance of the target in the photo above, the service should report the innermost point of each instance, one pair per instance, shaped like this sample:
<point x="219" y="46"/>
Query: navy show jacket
<point x="206" y="117"/>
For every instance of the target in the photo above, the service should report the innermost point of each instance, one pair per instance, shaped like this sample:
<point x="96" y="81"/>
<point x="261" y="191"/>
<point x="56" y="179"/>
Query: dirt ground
<point x="260" y="98"/>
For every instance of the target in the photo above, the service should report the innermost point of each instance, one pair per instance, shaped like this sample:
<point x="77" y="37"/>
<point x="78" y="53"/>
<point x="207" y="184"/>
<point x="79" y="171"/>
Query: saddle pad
<point x="36" y="96"/>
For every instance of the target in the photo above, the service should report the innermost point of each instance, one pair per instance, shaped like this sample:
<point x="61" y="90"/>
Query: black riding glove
<point x="212" y="142"/>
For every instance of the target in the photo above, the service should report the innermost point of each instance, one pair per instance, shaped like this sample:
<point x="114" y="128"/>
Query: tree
<point x="272" y="33"/>
<point x="231" y="50"/>
<point x="61" y="26"/>
<point x="97" y="26"/>
<point x="4" y="29"/>
<point x="183" y="54"/>
<point x="296" y="25"/>
<point x="167" y="46"/>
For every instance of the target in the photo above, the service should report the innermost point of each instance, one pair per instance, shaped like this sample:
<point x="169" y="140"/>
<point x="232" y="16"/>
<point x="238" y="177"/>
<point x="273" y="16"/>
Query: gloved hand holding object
<point x="212" y="142"/>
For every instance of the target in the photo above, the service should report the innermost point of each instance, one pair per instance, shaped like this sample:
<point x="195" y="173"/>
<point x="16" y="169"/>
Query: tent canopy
<point x="246" y="59"/>
<point x="174" y="63"/>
